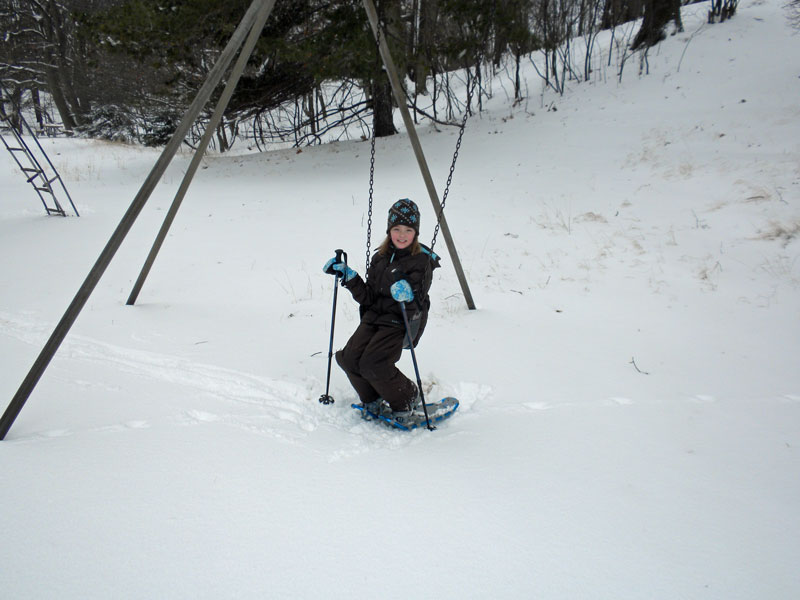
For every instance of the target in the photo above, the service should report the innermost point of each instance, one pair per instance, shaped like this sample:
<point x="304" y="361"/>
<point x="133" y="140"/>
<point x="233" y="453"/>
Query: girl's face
<point x="402" y="236"/>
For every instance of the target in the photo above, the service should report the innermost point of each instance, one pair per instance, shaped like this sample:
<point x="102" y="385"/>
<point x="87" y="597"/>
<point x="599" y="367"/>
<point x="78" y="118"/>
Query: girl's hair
<point x="386" y="246"/>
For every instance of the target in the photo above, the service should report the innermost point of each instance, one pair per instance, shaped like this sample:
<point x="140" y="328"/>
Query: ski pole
<point x="326" y="398"/>
<point x="416" y="368"/>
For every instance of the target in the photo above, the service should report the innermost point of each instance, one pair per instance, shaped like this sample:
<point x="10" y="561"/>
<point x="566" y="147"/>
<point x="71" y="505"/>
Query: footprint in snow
<point x="537" y="405"/>
<point x="621" y="401"/>
<point x="56" y="433"/>
<point x="704" y="398"/>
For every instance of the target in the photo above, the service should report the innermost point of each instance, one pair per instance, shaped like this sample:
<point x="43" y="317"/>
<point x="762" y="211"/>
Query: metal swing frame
<point x="242" y="41"/>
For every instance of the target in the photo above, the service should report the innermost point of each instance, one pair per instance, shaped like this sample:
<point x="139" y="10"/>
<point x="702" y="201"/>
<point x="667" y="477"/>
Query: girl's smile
<point x="402" y="236"/>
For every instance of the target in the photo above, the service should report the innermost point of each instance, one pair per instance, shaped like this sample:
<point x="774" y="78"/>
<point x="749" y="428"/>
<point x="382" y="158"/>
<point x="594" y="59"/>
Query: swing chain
<point x="372" y="155"/>
<point x="369" y="211"/>
<point x="470" y="91"/>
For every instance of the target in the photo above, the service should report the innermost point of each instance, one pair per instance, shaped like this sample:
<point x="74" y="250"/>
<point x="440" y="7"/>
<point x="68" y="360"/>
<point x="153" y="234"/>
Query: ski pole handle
<point x="339" y="254"/>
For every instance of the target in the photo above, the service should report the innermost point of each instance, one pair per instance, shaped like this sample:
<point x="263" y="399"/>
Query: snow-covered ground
<point x="630" y="417"/>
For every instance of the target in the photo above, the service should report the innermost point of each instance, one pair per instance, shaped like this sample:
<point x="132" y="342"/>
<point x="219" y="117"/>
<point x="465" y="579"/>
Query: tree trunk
<point x="382" y="116"/>
<point x="54" y="87"/>
<point x="501" y="37"/>
<point x="382" y="96"/>
<point x="15" y="118"/>
<point x="37" y="108"/>
<point x="222" y="138"/>
<point x="57" y="49"/>
<point x="616" y="12"/>
<point x="425" y="41"/>
<point x="657" y="14"/>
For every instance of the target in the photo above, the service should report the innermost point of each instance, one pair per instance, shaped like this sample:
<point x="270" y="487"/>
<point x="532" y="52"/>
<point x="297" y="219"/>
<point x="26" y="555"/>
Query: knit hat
<point x="404" y="212"/>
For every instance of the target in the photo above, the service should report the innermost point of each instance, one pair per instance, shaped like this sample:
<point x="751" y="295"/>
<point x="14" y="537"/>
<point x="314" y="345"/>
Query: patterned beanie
<point x="404" y="212"/>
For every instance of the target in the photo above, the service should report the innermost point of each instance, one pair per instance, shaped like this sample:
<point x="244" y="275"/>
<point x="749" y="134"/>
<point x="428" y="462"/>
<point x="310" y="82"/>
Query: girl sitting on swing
<point x="400" y="271"/>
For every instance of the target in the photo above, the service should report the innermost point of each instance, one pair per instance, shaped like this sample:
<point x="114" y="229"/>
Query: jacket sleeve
<point x="364" y="293"/>
<point x="360" y="291"/>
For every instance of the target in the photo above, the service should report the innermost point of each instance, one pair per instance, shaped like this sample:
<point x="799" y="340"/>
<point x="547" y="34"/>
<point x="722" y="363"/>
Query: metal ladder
<point x="40" y="172"/>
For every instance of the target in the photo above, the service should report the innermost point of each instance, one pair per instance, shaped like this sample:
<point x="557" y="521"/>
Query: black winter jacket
<point x="374" y="296"/>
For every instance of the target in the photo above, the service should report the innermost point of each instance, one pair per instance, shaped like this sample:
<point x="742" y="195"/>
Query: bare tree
<point x="41" y="52"/>
<point x="591" y="11"/>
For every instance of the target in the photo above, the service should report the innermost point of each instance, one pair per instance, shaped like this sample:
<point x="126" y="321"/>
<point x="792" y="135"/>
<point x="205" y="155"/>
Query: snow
<point x="630" y="417"/>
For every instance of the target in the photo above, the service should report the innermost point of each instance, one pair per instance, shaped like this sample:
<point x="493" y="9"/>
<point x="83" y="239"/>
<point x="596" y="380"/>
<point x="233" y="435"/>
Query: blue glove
<point x="346" y="273"/>
<point x="401" y="291"/>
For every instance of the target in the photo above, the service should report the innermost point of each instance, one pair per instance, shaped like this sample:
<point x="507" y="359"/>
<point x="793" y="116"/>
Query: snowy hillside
<point x="630" y="417"/>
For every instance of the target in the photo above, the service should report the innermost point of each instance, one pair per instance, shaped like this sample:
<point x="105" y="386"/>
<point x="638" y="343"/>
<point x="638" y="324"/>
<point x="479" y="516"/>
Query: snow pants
<point x="368" y="359"/>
